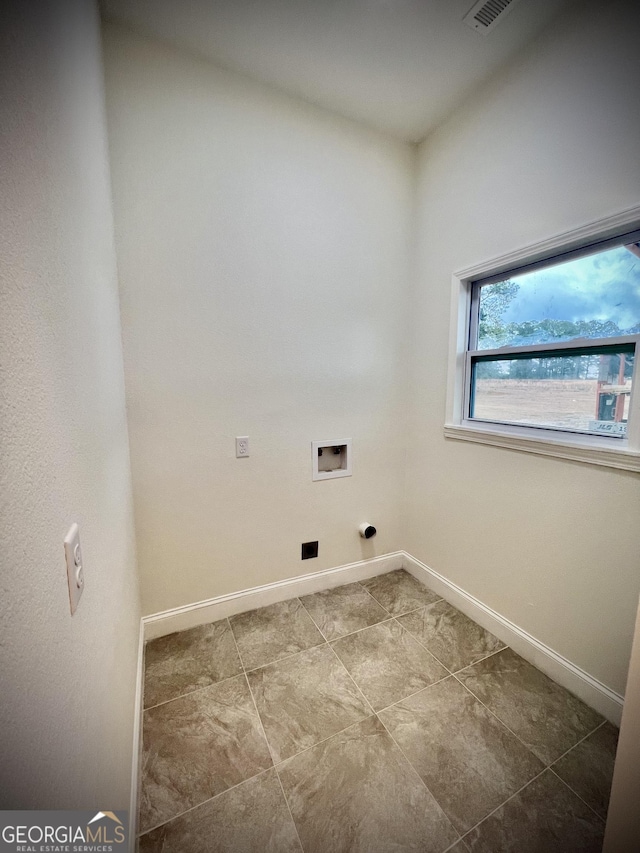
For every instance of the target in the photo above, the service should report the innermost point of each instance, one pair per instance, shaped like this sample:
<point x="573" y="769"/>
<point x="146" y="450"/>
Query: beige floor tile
<point x="357" y="793"/>
<point x="545" y="817"/>
<point x="469" y="761"/>
<point x="270" y="633"/>
<point x="250" y="817"/>
<point x="545" y="716"/>
<point x="198" y="746"/>
<point x="588" y="768"/>
<point x="387" y="663"/>
<point x="398" y="592"/>
<point x="185" y="661"/>
<point x="208" y="783"/>
<point x="451" y="636"/>
<point x="343" y="610"/>
<point x="304" y="699"/>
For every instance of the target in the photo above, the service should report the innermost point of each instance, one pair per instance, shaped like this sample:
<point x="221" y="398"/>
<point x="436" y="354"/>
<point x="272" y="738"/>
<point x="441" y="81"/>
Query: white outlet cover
<point x="242" y="446"/>
<point x="75" y="566"/>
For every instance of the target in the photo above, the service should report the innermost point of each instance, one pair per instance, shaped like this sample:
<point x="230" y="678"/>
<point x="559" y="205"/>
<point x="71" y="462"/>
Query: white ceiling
<point x="397" y="65"/>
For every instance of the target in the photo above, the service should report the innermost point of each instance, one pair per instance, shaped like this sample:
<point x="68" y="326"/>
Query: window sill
<point x="587" y="449"/>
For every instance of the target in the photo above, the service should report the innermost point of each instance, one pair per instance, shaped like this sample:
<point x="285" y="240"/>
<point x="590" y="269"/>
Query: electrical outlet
<point x="242" y="446"/>
<point x="75" y="566"/>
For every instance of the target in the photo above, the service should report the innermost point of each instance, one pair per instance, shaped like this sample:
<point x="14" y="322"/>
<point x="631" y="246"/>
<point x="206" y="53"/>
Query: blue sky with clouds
<point x="604" y="286"/>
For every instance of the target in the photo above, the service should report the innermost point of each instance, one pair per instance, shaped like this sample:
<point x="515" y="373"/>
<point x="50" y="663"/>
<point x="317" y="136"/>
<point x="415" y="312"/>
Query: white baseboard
<point x="593" y="692"/>
<point x="201" y="612"/>
<point x="596" y="694"/>
<point x="137" y="751"/>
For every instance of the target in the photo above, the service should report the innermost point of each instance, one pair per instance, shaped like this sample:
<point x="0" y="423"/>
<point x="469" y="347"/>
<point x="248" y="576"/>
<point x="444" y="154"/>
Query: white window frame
<point x="596" y="450"/>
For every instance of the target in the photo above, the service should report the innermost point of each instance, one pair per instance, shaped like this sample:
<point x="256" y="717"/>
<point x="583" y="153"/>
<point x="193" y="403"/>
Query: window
<point x="544" y="350"/>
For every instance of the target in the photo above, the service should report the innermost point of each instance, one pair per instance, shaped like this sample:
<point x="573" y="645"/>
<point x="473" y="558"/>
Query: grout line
<point x="359" y="630"/>
<point x="275" y="764"/>
<point x="309" y="614"/>
<point x="332" y="640"/>
<point x="204" y="802"/>
<point x="368" y="704"/>
<point x="452" y="671"/>
<point x="379" y="603"/>
<point x="327" y="643"/>
<point x="264" y="734"/>
<point x="567" y="751"/>
<point x="191" y="692"/>
<point x="374" y="713"/>
<point x="567" y="785"/>
<point x="404" y="612"/>
<point x="244" y="780"/>
<point x="286" y="802"/>
<point x="404" y="699"/>
<point x="279" y="763"/>
<point x="497" y="652"/>
<point x="486" y="657"/>
<point x="324" y="740"/>
<point x="502" y="722"/>
<point x="550" y="769"/>
<point x="372" y="596"/>
<point x="497" y="808"/>
<point x="253" y="699"/>
<point x="560" y="757"/>
<point x="459" y="841"/>
<point x="229" y="677"/>
<point x="414" y="610"/>
<point x="420" y="642"/>
<point x="286" y="657"/>
<point x="422" y="782"/>
<point x="235" y="642"/>
<point x="423" y="606"/>
<point x="547" y="767"/>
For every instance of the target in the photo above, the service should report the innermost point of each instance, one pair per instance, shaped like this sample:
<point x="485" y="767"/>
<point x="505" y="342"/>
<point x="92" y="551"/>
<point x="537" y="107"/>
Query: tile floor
<point x="369" y="718"/>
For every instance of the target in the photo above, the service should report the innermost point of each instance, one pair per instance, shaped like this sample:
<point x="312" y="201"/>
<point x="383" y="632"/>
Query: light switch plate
<point x="75" y="566"/>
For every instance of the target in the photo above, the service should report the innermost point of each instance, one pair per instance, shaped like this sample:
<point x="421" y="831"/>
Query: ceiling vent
<point x="486" y="14"/>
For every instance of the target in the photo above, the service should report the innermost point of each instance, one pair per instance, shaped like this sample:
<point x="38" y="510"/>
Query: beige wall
<point x="266" y="290"/>
<point x="550" y="145"/>
<point x="67" y="683"/>
<point x="263" y="254"/>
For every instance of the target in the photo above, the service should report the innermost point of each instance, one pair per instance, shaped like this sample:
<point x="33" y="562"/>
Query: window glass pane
<point x="580" y="393"/>
<point x="597" y="296"/>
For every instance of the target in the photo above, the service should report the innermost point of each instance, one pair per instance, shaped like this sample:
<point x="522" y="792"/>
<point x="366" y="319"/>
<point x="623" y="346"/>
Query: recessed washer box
<point x="331" y="458"/>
